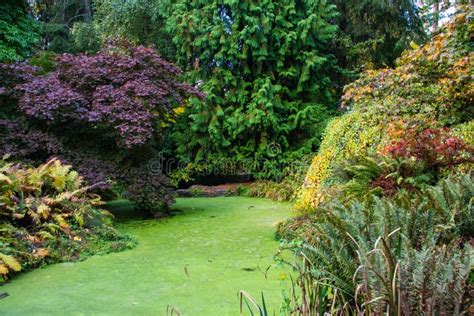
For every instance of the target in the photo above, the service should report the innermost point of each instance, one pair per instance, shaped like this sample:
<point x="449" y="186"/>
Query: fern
<point x="386" y="255"/>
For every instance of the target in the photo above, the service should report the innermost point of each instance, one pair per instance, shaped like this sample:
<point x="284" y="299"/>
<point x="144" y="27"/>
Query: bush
<point x="86" y="38"/>
<point x="47" y="215"/>
<point x="104" y="114"/>
<point x="44" y="60"/>
<point x="387" y="208"/>
<point x="284" y="190"/>
<point x="287" y="188"/>
<point x="430" y="87"/>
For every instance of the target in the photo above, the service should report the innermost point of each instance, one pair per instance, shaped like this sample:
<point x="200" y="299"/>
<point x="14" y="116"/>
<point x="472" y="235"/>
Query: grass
<point x="196" y="261"/>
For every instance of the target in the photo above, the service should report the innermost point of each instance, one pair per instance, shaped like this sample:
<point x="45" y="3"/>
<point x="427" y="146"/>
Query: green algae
<point x="196" y="261"/>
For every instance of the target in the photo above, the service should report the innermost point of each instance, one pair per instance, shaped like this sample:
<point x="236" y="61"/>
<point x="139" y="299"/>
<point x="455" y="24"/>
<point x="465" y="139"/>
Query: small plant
<point x="196" y="192"/>
<point x="172" y="311"/>
<point x="243" y="190"/>
<point x="47" y="215"/>
<point x="252" y="304"/>
<point x="44" y="61"/>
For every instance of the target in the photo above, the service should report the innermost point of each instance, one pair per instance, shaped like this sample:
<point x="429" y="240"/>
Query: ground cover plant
<point x="201" y="237"/>
<point x="48" y="215"/>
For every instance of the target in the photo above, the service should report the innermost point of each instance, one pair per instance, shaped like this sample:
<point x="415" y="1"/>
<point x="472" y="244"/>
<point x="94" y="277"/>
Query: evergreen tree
<point x="139" y="21"/>
<point x="373" y="33"/>
<point x="267" y="74"/>
<point x="57" y="19"/>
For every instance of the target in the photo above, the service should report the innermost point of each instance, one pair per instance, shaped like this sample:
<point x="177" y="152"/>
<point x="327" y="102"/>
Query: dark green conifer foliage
<point x="266" y="71"/>
<point x="374" y="33"/>
<point x="139" y="21"/>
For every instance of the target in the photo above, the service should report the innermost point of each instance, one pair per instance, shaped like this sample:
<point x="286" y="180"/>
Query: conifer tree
<point x="265" y="68"/>
<point x="374" y="33"/>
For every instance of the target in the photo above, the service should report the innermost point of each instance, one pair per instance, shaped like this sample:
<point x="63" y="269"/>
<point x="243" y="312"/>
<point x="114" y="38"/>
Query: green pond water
<point x="197" y="261"/>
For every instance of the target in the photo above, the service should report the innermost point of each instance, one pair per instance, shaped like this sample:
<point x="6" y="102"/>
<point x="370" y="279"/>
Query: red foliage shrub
<point x="388" y="185"/>
<point x="436" y="147"/>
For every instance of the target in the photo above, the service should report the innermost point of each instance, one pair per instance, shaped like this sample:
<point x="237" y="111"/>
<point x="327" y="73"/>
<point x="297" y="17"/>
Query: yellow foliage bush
<point x="431" y="84"/>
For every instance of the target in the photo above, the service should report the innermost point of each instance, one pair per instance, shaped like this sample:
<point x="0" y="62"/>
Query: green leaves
<point x="19" y="33"/>
<point x="409" y="252"/>
<point x="261" y="63"/>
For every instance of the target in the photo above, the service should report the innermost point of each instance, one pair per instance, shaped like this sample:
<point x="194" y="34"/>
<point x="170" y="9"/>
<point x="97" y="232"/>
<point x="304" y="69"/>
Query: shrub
<point x="104" y="114"/>
<point x="44" y="60"/>
<point x="407" y="163"/>
<point x="430" y="87"/>
<point x="436" y="148"/>
<point x="287" y="188"/>
<point x="47" y="215"/>
<point x="284" y="190"/>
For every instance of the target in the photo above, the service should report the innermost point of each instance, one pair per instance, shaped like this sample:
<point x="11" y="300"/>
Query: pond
<point x="196" y="261"/>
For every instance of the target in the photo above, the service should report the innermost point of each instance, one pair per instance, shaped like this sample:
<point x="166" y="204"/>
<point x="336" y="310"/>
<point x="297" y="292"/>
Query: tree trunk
<point x="87" y="11"/>
<point x="434" y="26"/>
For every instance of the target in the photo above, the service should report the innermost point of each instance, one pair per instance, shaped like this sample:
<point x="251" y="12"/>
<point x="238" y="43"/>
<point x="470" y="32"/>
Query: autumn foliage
<point x="436" y="147"/>
<point x="47" y="214"/>
<point x="431" y="89"/>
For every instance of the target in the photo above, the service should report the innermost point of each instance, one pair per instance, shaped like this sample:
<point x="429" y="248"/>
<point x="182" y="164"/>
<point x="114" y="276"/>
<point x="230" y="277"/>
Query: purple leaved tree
<point x="105" y="114"/>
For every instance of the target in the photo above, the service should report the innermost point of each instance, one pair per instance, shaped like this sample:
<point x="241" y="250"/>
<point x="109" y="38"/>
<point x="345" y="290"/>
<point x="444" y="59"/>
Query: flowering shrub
<point x="104" y="114"/>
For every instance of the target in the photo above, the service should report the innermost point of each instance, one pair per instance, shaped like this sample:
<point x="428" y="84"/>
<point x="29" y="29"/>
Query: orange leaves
<point x="40" y="253"/>
<point x="430" y="88"/>
<point x="3" y="269"/>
